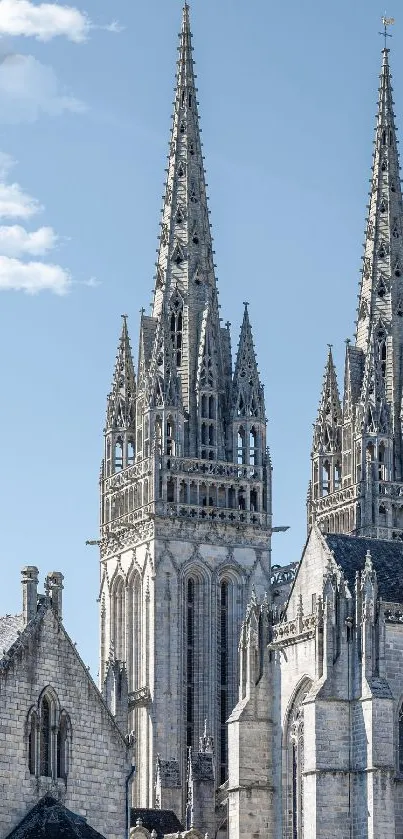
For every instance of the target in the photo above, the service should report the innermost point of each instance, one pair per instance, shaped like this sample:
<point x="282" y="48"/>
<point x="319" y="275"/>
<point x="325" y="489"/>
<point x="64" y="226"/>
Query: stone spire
<point x="185" y="258"/>
<point x="248" y="395"/>
<point x="185" y="279"/>
<point x="327" y="428"/>
<point x="381" y="300"/>
<point x="120" y="412"/>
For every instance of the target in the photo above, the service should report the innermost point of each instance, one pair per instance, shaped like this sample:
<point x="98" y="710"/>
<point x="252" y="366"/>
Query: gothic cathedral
<point x="185" y="487"/>
<point x="357" y="456"/>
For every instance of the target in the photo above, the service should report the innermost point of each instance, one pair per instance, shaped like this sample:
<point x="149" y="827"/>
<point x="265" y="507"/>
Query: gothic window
<point x="253" y="447"/>
<point x="191" y="149"/>
<point x="384" y="165"/>
<point x="384" y="137"/>
<point x="381" y="338"/>
<point x="212" y="407"/>
<point x="118" y="618"/>
<point x="176" y="308"/>
<point x="193" y="193"/>
<point x="381" y="462"/>
<point x="182" y="128"/>
<point x="241" y="446"/>
<point x="190" y="659"/>
<point x="382" y="515"/>
<point x="45" y="735"/>
<point x="118" y="455"/>
<point x="397" y="269"/>
<point x="190" y="100"/>
<point x="170" y="491"/>
<point x="383" y="205"/>
<point x="381" y="288"/>
<point x="130" y="453"/>
<point x="223" y="652"/>
<point x="400" y="734"/>
<point x="326" y="478"/>
<point x="181" y="170"/>
<point x="32" y="742"/>
<point x="392" y="186"/>
<point x="170" y="437"/>
<point x="49" y="737"/>
<point x="134" y="637"/>
<point x="337" y="476"/>
<point x="294" y="737"/>
<point x="62" y="747"/>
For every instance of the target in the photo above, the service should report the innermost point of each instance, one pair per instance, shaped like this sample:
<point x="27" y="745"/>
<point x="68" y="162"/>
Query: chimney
<point x="29" y="581"/>
<point x="54" y="588"/>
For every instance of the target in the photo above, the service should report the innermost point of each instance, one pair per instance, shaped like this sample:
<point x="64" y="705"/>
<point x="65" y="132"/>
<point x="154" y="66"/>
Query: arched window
<point x="190" y="659"/>
<point x="382" y="515"/>
<point x="400" y="740"/>
<point x="293" y="756"/>
<point x="49" y="738"/>
<point x="241" y="446"/>
<point x="62" y="746"/>
<point x="381" y="462"/>
<point x="32" y="742"/>
<point x="224" y="677"/>
<point x="119" y="618"/>
<point x="130" y="453"/>
<point x="326" y="478"/>
<point x="45" y="735"/>
<point x="118" y="455"/>
<point x="253" y="447"/>
<point x="176" y="309"/>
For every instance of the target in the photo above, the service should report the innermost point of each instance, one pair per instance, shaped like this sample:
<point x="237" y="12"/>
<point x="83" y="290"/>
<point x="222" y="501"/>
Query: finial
<point x="142" y="311"/>
<point x="330" y="346"/>
<point x="246" y="304"/>
<point x="386" y="21"/>
<point x="124" y="317"/>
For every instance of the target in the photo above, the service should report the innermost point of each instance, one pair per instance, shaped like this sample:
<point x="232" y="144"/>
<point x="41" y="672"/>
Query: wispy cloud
<point x="15" y="203"/>
<point x="29" y="88"/>
<point x="17" y="243"/>
<point x="47" y="20"/>
<point x="33" y="277"/>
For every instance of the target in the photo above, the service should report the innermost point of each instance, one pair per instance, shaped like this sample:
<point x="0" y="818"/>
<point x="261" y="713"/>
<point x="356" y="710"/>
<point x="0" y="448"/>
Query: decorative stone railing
<point x="139" y="698"/>
<point x="298" y="629"/>
<point x="338" y="498"/>
<point x="283" y="575"/>
<point x="210" y="513"/>
<point x="213" y="469"/>
<point x="120" y="480"/>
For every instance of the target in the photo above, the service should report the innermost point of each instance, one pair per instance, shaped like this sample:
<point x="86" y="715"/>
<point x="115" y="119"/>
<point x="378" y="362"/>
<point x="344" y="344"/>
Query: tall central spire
<point x="381" y="286"/>
<point x="185" y="258"/>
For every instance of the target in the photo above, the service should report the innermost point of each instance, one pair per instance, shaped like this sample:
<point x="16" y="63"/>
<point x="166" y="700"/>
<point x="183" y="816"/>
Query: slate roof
<point x="202" y="766"/>
<point x="10" y="627"/>
<point x="162" y="821"/>
<point x="387" y="558"/>
<point x="51" y="820"/>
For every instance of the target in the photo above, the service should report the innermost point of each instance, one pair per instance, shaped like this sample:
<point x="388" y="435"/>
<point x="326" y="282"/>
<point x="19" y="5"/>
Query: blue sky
<point x="287" y="103"/>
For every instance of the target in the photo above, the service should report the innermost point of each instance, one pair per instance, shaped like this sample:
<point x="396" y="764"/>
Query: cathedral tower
<point x="357" y="458"/>
<point x="185" y="487"/>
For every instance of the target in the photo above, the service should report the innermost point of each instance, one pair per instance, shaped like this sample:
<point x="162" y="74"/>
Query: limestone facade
<point x="57" y="735"/>
<point x="185" y="487"/>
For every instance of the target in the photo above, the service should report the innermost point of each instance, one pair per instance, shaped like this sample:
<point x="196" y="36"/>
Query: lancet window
<point x="176" y="322"/>
<point x="224" y="677"/>
<point x="119" y="618"/>
<point x="294" y="737"/>
<point x="400" y="740"/>
<point x="191" y="586"/>
<point x="49" y="738"/>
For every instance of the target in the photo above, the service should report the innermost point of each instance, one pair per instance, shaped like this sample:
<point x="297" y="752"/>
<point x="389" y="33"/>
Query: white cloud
<point x="28" y="88"/>
<point x="21" y="17"/>
<point x="33" y="277"/>
<point x="15" y="203"/>
<point x="16" y="241"/>
<point x="47" y="20"/>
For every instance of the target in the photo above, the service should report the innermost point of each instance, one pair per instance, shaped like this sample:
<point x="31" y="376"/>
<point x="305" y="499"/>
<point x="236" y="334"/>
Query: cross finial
<point x="386" y="21"/>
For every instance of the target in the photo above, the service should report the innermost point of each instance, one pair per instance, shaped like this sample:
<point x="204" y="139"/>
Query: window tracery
<point x="49" y="738"/>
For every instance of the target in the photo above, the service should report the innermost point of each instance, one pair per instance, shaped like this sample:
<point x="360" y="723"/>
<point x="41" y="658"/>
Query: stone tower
<point x="185" y="488"/>
<point x="357" y="459"/>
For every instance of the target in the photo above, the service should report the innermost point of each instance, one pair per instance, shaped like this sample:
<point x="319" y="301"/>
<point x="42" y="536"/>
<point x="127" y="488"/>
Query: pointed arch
<point x="293" y="761"/>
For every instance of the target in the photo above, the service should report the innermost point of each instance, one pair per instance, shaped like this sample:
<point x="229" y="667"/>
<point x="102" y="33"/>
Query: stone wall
<point x="98" y="761"/>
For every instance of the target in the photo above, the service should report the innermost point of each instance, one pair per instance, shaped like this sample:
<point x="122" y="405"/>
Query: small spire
<point x="121" y="400"/>
<point x="248" y="395"/>
<point x="327" y="428"/>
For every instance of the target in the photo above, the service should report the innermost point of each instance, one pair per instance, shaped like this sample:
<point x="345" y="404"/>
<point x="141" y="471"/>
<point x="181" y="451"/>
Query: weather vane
<point x="387" y="21"/>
